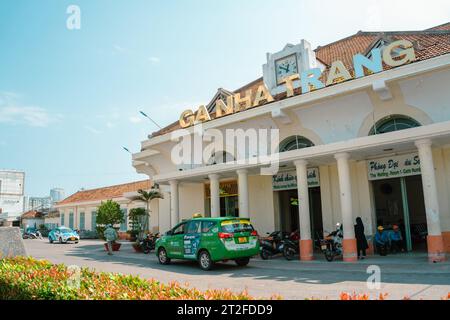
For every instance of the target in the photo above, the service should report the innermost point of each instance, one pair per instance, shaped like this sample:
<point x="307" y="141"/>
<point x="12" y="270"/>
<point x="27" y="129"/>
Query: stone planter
<point x="137" y="248"/>
<point x="115" y="246"/>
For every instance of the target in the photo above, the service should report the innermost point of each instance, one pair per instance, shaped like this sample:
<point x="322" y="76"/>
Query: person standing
<point x="361" y="241"/>
<point x="110" y="236"/>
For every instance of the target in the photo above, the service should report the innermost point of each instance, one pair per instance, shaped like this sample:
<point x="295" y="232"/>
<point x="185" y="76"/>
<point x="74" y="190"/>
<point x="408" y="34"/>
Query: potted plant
<point x="147" y="196"/>
<point x="109" y="213"/>
<point x="137" y="215"/>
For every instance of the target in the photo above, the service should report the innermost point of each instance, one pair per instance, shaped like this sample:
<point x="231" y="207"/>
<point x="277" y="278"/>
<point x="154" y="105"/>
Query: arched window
<point x="393" y="123"/>
<point x="294" y="143"/>
<point x="220" y="157"/>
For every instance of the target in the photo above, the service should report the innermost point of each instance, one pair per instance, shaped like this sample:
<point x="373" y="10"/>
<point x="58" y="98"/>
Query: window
<point x="94" y="221"/>
<point x="180" y="229"/>
<point x="193" y="226"/>
<point x="82" y="225"/>
<point x="294" y="143"/>
<point x="123" y="225"/>
<point x="207" y="226"/>
<point x="62" y="218"/>
<point x="71" y="220"/>
<point x="393" y="123"/>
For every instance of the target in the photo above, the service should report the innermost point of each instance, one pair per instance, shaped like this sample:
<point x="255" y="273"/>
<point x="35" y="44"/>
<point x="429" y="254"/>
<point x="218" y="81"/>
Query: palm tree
<point x="147" y="196"/>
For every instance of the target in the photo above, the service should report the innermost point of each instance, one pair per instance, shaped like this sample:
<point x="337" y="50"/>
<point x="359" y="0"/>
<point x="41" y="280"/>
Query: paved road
<point x="401" y="275"/>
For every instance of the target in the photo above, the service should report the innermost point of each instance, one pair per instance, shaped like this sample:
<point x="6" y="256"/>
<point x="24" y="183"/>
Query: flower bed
<point x="27" y="278"/>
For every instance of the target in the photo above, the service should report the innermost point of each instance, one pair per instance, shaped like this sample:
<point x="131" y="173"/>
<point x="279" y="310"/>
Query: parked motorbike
<point x="291" y="245"/>
<point x="148" y="243"/>
<point x="32" y="235"/>
<point x="331" y="245"/>
<point x="272" y="244"/>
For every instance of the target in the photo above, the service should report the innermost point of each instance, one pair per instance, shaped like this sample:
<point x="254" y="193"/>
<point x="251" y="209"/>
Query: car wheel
<point x="76" y="242"/>
<point x="60" y="240"/>
<point x="162" y="256"/>
<point x="50" y="239"/>
<point x="242" y="262"/>
<point x="205" y="261"/>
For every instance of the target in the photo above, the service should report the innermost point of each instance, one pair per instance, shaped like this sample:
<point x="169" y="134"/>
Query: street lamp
<point x="126" y="149"/>
<point x="145" y="115"/>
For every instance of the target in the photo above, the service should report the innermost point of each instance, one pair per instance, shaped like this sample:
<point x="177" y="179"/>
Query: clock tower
<point x="293" y="59"/>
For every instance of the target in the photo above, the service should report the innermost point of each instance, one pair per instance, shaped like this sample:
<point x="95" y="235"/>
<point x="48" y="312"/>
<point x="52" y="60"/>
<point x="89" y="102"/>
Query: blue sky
<point x="69" y="99"/>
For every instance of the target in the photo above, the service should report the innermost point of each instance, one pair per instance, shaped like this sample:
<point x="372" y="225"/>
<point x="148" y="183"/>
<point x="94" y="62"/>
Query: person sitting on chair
<point x="381" y="241"/>
<point x="396" y="239"/>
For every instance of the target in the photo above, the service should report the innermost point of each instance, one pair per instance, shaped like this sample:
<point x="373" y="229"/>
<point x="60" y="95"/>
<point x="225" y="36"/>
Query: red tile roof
<point x="106" y="193"/>
<point x="445" y="26"/>
<point x="428" y="43"/>
<point x="32" y="214"/>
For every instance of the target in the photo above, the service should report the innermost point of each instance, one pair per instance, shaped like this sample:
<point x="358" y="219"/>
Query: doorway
<point x="399" y="201"/>
<point x="289" y="219"/>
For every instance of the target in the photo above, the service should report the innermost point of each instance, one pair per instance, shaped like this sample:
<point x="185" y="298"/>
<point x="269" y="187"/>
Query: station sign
<point x="288" y="180"/>
<point x="394" y="167"/>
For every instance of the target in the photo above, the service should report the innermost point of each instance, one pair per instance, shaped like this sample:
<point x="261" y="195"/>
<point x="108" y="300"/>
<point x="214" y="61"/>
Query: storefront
<point x="357" y="128"/>
<point x="398" y="197"/>
<point x="285" y="189"/>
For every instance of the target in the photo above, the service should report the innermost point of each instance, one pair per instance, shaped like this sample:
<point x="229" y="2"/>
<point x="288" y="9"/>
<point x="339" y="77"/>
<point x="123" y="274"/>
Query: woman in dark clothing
<point x="361" y="241"/>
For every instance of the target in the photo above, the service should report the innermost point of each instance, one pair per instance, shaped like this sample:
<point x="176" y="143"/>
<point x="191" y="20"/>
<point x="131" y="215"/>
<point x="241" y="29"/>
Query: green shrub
<point x="29" y="279"/>
<point x="108" y="213"/>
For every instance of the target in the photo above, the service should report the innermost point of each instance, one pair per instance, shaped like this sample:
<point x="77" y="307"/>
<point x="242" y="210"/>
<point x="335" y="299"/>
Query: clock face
<point x="285" y="67"/>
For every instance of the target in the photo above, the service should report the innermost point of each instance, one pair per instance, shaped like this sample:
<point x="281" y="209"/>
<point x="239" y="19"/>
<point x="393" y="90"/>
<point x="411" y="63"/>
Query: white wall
<point x="261" y="203"/>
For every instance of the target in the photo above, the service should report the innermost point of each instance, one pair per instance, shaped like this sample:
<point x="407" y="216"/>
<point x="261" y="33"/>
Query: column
<point x="214" y="186"/>
<point x="345" y="190"/>
<point x="174" y="203"/>
<point x="306" y="244"/>
<point x="243" y="193"/>
<point x="435" y="243"/>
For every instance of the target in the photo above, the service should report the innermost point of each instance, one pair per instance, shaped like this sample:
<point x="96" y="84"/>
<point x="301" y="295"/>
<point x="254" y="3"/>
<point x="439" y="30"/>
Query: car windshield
<point x="237" y="225"/>
<point x="65" y="230"/>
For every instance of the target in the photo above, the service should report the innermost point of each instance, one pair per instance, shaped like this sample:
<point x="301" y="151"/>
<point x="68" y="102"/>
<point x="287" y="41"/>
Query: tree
<point x="137" y="216"/>
<point x="147" y="196"/>
<point x="108" y="213"/>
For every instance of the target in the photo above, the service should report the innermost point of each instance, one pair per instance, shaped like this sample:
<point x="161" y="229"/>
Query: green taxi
<point x="209" y="240"/>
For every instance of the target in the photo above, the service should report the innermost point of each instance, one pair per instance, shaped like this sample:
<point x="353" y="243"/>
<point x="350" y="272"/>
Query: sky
<point x="70" y="99"/>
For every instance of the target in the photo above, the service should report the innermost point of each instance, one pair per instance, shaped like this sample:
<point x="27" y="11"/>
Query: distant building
<point x="32" y="219"/>
<point x="11" y="196"/>
<point x="57" y="194"/>
<point x="39" y="203"/>
<point x="79" y="210"/>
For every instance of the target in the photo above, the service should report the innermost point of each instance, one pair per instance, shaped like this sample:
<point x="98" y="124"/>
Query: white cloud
<point x="13" y="112"/>
<point x="92" y="130"/>
<point x="135" y="119"/>
<point x="120" y="49"/>
<point x="154" y="60"/>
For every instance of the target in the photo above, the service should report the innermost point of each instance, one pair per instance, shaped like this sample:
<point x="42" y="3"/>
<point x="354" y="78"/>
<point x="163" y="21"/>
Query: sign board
<point x="394" y="167"/>
<point x="288" y="180"/>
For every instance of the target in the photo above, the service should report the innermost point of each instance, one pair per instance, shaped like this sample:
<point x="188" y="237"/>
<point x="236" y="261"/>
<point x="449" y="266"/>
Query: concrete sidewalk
<point x="403" y="275"/>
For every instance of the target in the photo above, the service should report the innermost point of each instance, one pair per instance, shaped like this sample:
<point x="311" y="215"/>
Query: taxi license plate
<point x="242" y="239"/>
<point x="72" y="238"/>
